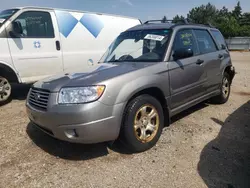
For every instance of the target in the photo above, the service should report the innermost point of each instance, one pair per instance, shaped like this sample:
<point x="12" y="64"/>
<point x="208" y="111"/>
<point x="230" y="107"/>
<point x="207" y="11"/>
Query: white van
<point x="39" y="42"/>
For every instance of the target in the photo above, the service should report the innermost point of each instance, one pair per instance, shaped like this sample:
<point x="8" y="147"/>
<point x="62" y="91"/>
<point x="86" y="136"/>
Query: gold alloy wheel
<point x="146" y="123"/>
<point x="225" y="87"/>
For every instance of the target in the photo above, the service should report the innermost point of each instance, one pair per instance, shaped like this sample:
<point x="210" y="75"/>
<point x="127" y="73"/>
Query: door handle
<point x="199" y="62"/>
<point x="58" y="46"/>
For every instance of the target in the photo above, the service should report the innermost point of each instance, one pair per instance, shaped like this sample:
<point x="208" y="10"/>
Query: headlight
<point x="76" y="95"/>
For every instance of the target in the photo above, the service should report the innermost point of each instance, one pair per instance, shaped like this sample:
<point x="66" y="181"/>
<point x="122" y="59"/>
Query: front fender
<point x="8" y="66"/>
<point x="131" y="88"/>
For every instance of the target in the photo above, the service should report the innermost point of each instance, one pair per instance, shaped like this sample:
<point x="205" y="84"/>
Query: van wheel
<point x="224" y="90"/>
<point x="143" y="123"/>
<point x="5" y="90"/>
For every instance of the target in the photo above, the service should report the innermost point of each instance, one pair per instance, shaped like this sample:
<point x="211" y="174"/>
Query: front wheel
<point x="143" y="123"/>
<point x="5" y="90"/>
<point x="225" y="90"/>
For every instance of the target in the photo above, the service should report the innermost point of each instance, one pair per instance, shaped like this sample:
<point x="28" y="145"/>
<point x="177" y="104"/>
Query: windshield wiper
<point x="113" y="61"/>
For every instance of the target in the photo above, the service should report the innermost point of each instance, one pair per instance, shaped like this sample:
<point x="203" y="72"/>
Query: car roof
<point x="149" y="26"/>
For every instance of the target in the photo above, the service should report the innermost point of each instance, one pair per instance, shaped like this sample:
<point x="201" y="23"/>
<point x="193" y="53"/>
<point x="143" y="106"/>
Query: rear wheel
<point x="143" y="123"/>
<point x="5" y="90"/>
<point x="224" y="90"/>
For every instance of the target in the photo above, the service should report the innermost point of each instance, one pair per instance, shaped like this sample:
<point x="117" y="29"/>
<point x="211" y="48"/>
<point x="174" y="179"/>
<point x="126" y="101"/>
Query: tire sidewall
<point x="128" y="130"/>
<point x="223" y="98"/>
<point x="9" y="98"/>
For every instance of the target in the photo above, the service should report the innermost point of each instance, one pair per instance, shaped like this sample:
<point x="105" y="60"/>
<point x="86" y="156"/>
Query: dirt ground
<point x="206" y="146"/>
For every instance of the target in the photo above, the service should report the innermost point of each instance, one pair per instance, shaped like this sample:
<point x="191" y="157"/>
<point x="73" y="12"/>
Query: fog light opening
<point x="71" y="133"/>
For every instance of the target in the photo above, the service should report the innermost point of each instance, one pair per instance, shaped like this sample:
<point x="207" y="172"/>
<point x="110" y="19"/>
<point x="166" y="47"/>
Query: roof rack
<point x="185" y="21"/>
<point x="180" y="21"/>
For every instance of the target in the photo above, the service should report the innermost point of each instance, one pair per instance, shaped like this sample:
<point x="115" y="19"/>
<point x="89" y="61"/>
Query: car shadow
<point x="225" y="161"/>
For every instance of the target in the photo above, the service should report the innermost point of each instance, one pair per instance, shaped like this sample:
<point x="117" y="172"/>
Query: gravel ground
<point x="206" y="146"/>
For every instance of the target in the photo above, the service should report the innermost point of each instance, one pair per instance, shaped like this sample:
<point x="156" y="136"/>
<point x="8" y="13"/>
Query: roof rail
<point x="210" y="25"/>
<point x="180" y="21"/>
<point x="185" y="21"/>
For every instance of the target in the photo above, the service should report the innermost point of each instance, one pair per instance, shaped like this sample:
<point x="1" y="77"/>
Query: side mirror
<point x="17" y="29"/>
<point x="182" y="53"/>
<point x="223" y="47"/>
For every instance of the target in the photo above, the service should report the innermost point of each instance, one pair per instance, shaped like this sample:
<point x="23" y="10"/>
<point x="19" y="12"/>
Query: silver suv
<point x="148" y="74"/>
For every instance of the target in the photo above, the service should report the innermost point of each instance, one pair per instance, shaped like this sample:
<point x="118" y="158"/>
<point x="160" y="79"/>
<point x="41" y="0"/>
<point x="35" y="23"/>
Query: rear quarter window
<point x="219" y="39"/>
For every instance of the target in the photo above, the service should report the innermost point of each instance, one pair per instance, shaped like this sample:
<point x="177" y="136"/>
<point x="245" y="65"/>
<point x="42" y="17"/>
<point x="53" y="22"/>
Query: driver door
<point x="35" y="49"/>
<point x="187" y="75"/>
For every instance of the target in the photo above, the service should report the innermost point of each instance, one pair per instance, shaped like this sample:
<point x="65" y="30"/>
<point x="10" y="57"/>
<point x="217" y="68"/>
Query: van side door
<point x="34" y="43"/>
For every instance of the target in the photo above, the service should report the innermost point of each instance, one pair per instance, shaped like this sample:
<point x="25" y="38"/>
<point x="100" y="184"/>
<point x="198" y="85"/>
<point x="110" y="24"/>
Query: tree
<point x="245" y="19"/>
<point x="230" y="23"/>
<point x="224" y="12"/>
<point x="236" y="13"/>
<point x="203" y="14"/>
<point x="229" y="26"/>
<point x="178" y="18"/>
<point x="164" y="19"/>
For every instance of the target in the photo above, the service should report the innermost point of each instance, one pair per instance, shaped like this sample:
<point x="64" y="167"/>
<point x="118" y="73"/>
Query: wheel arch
<point x="157" y="93"/>
<point x="231" y="71"/>
<point x="9" y="72"/>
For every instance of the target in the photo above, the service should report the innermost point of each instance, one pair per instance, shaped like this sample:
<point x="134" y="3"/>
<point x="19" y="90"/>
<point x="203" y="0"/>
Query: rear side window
<point x="205" y="41"/>
<point x="219" y="39"/>
<point x="35" y="24"/>
<point x="184" y="39"/>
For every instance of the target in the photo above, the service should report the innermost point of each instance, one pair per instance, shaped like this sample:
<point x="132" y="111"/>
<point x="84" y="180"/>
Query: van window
<point x="6" y="14"/>
<point x="36" y="24"/>
<point x="184" y="39"/>
<point x="205" y="41"/>
<point x="219" y="39"/>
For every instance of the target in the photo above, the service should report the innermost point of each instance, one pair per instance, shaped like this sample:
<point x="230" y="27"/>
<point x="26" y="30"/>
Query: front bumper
<point x="86" y="123"/>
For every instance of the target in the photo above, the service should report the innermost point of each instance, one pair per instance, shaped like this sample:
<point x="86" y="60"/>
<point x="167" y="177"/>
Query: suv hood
<point x="92" y="76"/>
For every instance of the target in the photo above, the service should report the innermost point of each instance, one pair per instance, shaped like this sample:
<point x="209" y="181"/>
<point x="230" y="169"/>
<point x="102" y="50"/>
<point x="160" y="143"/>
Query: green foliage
<point x="164" y="19"/>
<point x="231" y="23"/>
<point x="177" y="18"/>
<point x="236" y="13"/>
<point x="203" y="14"/>
<point x="228" y="25"/>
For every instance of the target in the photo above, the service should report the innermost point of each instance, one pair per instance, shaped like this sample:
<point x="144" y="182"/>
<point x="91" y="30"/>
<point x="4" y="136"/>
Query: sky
<point x="142" y="9"/>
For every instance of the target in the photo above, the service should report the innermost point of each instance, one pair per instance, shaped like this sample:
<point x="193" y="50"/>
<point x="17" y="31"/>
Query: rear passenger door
<point x="212" y="58"/>
<point x="224" y="55"/>
<point x="187" y="76"/>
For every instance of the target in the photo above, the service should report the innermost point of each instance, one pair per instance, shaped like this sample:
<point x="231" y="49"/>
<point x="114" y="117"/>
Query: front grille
<point x="38" y="98"/>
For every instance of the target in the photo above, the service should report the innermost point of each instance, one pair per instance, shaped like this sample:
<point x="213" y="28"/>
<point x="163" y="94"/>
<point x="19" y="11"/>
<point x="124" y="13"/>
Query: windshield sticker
<point x="154" y="37"/>
<point x="2" y="20"/>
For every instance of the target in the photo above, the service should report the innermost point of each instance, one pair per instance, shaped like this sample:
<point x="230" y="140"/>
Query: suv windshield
<point x="140" y="45"/>
<point x="6" y="14"/>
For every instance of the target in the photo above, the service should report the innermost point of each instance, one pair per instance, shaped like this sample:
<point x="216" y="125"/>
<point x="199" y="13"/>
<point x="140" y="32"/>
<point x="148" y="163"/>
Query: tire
<point x="142" y="124"/>
<point x="225" y="90"/>
<point x="5" y="90"/>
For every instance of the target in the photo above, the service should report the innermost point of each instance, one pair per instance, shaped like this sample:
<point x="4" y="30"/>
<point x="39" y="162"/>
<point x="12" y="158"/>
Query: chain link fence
<point x="238" y="43"/>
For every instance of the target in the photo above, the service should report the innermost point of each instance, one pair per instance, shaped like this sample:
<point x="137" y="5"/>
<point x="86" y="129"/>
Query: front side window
<point x="205" y="41"/>
<point x="184" y="41"/>
<point x="219" y="39"/>
<point x="139" y="46"/>
<point x="34" y="24"/>
<point x="6" y="14"/>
